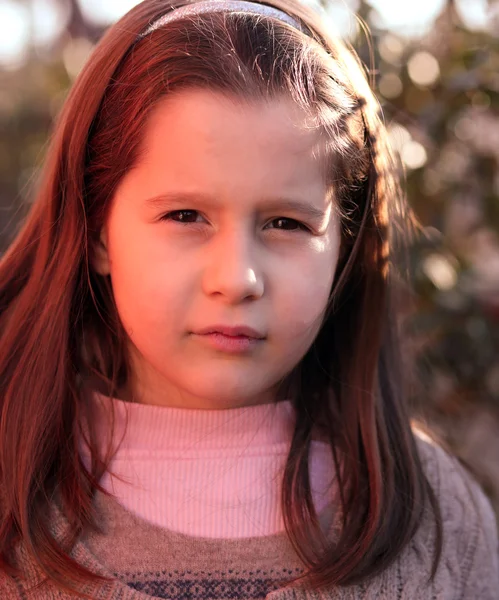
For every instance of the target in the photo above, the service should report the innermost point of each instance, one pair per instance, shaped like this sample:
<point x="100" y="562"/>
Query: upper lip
<point x="232" y="330"/>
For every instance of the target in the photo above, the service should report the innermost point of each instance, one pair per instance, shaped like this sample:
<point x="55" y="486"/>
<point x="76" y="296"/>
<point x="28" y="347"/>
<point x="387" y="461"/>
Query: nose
<point x="232" y="267"/>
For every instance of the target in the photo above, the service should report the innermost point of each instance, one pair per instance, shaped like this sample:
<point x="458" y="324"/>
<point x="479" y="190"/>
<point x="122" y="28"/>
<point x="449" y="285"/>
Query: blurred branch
<point x="78" y="26"/>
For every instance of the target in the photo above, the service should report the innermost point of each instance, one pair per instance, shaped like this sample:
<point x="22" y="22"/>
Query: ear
<point x="100" y="254"/>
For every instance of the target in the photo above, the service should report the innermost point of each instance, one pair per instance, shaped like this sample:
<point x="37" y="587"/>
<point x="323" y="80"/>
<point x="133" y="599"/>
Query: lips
<point x="232" y="331"/>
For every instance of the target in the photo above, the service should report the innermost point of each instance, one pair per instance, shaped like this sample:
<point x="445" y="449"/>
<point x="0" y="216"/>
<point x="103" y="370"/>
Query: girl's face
<point x="232" y="253"/>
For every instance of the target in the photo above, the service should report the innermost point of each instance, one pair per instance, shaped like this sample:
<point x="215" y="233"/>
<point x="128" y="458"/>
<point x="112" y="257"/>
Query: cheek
<point x="301" y="304"/>
<point x="300" y="314"/>
<point x="144" y="288"/>
<point x="147" y="299"/>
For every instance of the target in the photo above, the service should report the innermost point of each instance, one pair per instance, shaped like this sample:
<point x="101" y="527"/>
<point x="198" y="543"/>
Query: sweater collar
<point x="152" y="427"/>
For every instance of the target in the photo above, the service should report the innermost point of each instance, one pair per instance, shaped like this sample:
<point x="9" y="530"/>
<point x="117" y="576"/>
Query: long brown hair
<point x="60" y="329"/>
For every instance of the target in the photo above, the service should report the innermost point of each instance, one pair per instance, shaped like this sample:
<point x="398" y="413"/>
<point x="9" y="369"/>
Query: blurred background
<point x="436" y="73"/>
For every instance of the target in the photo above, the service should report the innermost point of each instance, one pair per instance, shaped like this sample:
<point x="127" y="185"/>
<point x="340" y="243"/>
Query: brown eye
<point x="167" y="217"/>
<point x="293" y="221"/>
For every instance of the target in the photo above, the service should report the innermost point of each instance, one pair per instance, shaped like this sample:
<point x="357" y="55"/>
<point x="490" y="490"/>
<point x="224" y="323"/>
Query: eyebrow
<point x="305" y="208"/>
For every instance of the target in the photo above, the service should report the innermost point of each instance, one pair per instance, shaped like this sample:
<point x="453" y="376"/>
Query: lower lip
<point x="227" y="343"/>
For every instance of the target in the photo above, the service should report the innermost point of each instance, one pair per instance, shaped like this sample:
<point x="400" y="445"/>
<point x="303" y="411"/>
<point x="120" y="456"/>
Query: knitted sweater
<point x="217" y="532"/>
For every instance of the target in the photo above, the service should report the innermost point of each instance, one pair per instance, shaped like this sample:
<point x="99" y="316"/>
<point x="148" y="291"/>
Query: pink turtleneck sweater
<point x="207" y="473"/>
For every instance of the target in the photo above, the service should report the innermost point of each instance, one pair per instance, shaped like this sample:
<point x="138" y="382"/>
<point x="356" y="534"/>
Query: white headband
<point x="208" y="6"/>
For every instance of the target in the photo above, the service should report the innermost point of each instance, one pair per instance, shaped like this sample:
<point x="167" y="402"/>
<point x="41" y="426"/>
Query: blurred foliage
<point x="440" y="98"/>
<point x="443" y="117"/>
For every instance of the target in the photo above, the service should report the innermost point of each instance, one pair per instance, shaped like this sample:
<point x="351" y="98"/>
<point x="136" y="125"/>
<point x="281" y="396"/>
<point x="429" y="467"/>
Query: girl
<point x="200" y="379"/>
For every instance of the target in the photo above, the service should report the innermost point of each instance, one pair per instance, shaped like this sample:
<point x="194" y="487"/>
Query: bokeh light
<point x="14" y="34"/>
<point x="423" y="68"/>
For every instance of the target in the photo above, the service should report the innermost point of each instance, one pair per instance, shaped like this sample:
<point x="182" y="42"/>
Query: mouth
<point x="229" y="343"/>
<point x="236" y="331"/>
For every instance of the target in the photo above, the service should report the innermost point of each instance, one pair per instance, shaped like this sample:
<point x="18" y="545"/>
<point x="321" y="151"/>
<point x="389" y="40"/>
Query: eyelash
<point x="167" y="217"/>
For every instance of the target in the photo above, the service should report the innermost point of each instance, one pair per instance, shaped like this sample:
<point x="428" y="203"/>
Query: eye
<point x="297" y="223"/>
<point x="169" y="217"/>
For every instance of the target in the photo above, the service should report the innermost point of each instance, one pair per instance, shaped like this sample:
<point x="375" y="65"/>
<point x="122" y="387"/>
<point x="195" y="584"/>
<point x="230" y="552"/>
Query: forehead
<point x="205" y="135"/>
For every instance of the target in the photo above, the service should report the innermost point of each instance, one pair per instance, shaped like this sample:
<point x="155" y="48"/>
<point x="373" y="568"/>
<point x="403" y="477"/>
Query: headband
<point x="211" y="6"/>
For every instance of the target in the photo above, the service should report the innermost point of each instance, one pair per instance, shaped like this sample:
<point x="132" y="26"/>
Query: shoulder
<point x="470" y="539"/>
<point x="457" y="491"/>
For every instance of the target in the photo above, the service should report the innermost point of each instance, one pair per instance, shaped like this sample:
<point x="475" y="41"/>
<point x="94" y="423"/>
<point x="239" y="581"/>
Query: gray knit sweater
<point x="146" y="561"/>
